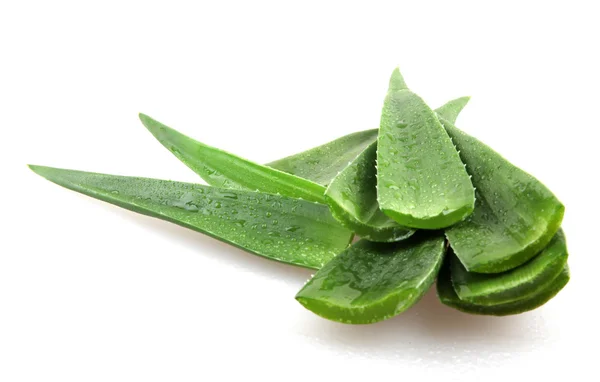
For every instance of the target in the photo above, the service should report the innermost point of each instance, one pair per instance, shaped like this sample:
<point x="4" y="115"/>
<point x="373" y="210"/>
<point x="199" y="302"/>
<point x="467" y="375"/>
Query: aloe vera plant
<point x="221" y="169"/>
<point x="352" y="194"/>
<point x="370" y="282"/>
<point x="289" y="230"/>
<point x="507" y="254"/>
<point x="448" y="296"/>
<point x="509" y="286"/>
<point x="421" y="180"/>
<point x="515" y="216"/>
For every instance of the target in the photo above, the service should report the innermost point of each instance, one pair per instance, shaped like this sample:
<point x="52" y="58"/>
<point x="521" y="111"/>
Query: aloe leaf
<point x="515" y="215"/>
<point x="371" y="282"/>
<point x="289" y="230"/>
<point x="221" y="169"/>
<point x="525" y="280"/>
<point x="448" y="296"/>
<point x="421" y="180"/>
<point x="352" y="197"/>
<point x="451" y="109"/>
<point x="352" y="194"/>
<point x="322" y="163"/>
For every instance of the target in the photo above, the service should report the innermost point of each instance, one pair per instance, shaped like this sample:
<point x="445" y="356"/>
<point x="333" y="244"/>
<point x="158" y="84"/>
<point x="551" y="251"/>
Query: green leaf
<point x="289" y="230"/>
<point x="513" y="285"/>
<point x="352" y="197"/>
<point x="221" y="169"/>
<point x="451" y="109"/>
<point x="370" y="282"/>
<point x="352" y="194"/>
<point x="397" y="82"/>
<point x="515" y="215"/>
<point x="448" y="296"/>
<point x="322" y="163"/>
<point x="421" y="181"/>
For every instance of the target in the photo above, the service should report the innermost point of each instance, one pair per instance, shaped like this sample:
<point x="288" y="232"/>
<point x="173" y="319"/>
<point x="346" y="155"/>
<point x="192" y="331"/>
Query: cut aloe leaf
<point x="352" y="194"/>
<point x="421" y="180"/>
<point x="221" y="169"/>
<point x="515" y="215"/>
<point x="371" y="282"/>
<point x="289" y="230"/>
<point x="322" y="163"/>
<point x="448" y="296"/>
<point x="525" y="280"/>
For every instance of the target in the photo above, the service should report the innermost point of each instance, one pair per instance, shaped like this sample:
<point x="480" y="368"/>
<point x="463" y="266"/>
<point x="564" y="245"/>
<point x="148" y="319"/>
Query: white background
<point x="91" y="292"/>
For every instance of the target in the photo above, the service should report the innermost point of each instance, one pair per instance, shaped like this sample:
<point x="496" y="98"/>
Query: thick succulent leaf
<point x="370" y="282"/>
<point x="322" y="163"/>
<point x="518" y="283"/>
<point x="352" y="194"/>
<point x="448" y="296"/>
<point x="421" y="181"/>
<point x="221" y="169"/>
<point x="289" y="230"/>
<point x="515" y="215"/>
<point x="352" y="197"/>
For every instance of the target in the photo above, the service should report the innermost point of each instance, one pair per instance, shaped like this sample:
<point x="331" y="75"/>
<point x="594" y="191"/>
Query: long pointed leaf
<point x="289" y="230"/>
<point x="520" y="282"/>
<point x="370" y="282"/>
<point x="221" y="169"/>
<point x="515" y="215"/>
<point x="421" y="181"/>
<point x="448" y="296"/>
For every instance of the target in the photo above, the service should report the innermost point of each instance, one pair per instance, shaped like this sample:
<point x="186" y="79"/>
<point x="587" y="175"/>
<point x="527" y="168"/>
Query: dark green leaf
<point x="221" y="169"/>
<point x="515" y="215"/>
<point x="289" y="230"/>
<point x="370" y="282"/>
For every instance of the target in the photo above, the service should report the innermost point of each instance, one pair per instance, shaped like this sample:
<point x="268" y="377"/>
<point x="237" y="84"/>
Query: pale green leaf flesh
<point x="515" y="215"/>
<point x="371" y="282"/>
<point x="525" y="280"/>
<point x="352" y="194"/>
<point x="322" y="163"/>
<point x="221" y="169"/>
<point x="421" y="180"/>
<point x="285" y="229"/>
<point x="448" y="296"/>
